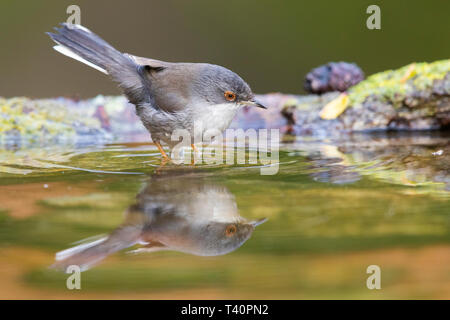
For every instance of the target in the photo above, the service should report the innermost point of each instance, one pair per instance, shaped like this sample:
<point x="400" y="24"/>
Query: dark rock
<point x="334" y="76"/>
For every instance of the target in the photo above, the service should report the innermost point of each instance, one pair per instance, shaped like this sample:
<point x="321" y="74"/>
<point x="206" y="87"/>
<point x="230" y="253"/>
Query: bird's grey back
<point x="149" y="82"/>
<point x="175" y="85"/>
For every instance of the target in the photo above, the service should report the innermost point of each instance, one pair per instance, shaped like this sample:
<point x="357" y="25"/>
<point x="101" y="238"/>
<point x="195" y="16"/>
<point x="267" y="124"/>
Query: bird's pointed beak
<point x="256" y="223"/>
<point x="253" y="103"/>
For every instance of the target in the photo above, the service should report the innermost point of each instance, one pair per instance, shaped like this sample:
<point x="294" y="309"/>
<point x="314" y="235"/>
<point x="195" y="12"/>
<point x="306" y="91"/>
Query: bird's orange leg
<point x="163" y="153"/>
<point x="162" y="165"/>
<point x="194" y="155"/>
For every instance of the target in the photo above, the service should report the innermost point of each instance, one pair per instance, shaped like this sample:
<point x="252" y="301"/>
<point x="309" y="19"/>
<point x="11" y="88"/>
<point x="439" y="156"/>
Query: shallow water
<point x="333" y="209"/>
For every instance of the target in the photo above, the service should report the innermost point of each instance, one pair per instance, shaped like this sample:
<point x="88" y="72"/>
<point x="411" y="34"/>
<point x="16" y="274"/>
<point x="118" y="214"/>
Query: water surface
<point x="333" y="209"/>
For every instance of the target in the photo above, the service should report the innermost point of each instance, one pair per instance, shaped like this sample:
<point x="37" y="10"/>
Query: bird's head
<point x="218" y="85"/>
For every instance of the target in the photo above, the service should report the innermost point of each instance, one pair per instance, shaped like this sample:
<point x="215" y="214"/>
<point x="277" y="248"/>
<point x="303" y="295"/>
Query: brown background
<point x="272" y="44"/>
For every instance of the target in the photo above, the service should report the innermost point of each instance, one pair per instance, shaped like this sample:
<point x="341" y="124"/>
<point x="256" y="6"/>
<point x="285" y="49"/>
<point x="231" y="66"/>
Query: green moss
<point x="394" y="85"/>
<point x="40" y="117"/>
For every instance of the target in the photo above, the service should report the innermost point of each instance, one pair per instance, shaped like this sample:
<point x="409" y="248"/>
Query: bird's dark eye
<point x="230" y="96"/>
<point x="230" y="230"/>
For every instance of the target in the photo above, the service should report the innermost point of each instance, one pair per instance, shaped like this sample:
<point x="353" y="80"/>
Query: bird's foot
<point x="194" y="148"/>
<point x="163" y="153"/>
<point x="196" y="155"/>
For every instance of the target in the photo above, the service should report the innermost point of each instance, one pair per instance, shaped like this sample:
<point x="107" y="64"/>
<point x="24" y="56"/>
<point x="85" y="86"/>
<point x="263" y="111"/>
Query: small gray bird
<point x="175" y="211"/>
<point x="167" y="96"/>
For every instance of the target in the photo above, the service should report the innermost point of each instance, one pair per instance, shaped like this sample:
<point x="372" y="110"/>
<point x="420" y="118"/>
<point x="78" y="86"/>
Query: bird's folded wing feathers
<point x="153" y="63"/>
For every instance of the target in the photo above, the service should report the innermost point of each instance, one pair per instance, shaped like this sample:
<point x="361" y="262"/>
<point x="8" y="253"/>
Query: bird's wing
<point x="170" y="82"/>
<point x="153" y="63"/>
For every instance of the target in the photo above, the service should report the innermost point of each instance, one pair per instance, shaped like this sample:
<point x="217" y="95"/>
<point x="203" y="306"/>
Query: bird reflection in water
<point x="179" y="211"/>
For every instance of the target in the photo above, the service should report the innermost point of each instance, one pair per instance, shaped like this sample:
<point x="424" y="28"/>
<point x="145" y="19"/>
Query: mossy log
<point x="414" y="97"/>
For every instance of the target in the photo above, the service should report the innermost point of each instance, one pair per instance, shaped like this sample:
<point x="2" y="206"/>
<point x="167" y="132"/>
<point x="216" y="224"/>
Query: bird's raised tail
<point x="79" y="43"/>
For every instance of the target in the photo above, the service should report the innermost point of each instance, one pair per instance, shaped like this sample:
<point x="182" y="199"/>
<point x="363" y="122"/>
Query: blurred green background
<point x="271" y="44"/>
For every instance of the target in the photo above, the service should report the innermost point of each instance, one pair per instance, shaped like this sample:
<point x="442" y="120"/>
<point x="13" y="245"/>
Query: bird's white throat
<point x="215" y="117"/>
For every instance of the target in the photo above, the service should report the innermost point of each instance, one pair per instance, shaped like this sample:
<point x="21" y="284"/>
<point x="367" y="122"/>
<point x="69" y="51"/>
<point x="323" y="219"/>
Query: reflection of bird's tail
<point x="79" y="43"/>
<point x="88" y="254"/>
